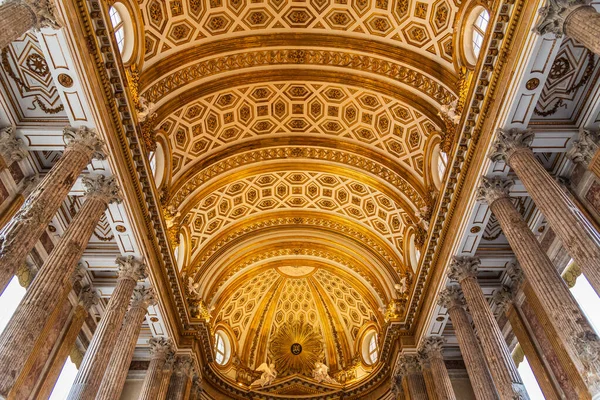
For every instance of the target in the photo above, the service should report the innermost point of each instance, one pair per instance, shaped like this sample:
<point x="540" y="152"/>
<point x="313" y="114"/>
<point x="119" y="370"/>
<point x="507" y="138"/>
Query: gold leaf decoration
<point x="290" y="362"/>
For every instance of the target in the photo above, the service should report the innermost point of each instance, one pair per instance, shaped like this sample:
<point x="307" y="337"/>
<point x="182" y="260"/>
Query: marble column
<point x="22" y="234"/>
<point x="431" y="348"/>
<point x="26" y="187"/>
<point x="33" y="370"/>
<point x="12" y="149"/>
<point x="116" y="372"/>
<point x="505" y="298"/>
<point x="165" y="380"/>
<point x="576" y="233"/>
<point x="570" y="322"/>
<point x="100" y="349"/>
<point x="410" y="369"/>
<point x="19" y="16"/>
<point x="428" y="378"/>
<point x="504" y="373"/>
<point x="88" y="297"/>
<point x="181" y="379"/>
<point x="44" y="294"/>
<point x="574" y="18"/>
<point x="452" y="299"/>
<point x="160" y="348"/>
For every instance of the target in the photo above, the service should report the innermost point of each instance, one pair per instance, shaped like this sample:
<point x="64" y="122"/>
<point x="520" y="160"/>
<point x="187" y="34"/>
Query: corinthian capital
<point x="584" y="147"/>
<point x="84" y="139"/>
<point x="131" y="268"/>
<point x="161" y="347"/>
<point x="493" y="188"/>
<point x="102" y="188"/>
<point x="451" y="297"/>
<point x="510" y="141"/>
<point x="554" y="15"/>
<point x="88" y="297"/>
<point x="143" y="297"/>
<point x="504" y="297"/>
<point x="44" y="12"/>
<point x="11" y="148"/>
<point x="408" y="365"/>
<point x="463" y="268"/>
<point x="431" y="346"/>
<point x="184" y="365"/>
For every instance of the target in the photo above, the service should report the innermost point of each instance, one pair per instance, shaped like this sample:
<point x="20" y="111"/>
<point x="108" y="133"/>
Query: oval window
<point x="123" y="30"/>
<point x="476" y="27"/>
<point x="370" y="348"/>
<point x="222" y="348"/>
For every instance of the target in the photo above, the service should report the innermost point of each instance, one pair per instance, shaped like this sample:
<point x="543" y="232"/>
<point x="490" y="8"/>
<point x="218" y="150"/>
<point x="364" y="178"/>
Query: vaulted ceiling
<point x="299" y="141"/>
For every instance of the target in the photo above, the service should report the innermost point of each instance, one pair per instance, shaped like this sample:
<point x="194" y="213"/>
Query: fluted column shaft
<point x="161" y="350"/>
<point x="442" y="379"/>
<point x="583" y="25"/>
<point x="416" y="386"/>
<point x="578" y="236"/>
<point x="18" y="239"/>
<point x="181" y="379"/>
<point x="502" y="368"/>
<point x="554" y="295"/>
<point x="480" y="377"/>
<point x="430" y="383"/>
<point x="116" y="372"/>
<point x="78" y="317"/>
<point x="99" y="351"/>
<point x="43" y="295"/>
<point x="16" y="18"/>
<point x="167" y="373"/>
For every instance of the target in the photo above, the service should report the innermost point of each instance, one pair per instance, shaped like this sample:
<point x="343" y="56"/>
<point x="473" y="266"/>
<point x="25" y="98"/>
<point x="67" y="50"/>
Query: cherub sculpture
<point x="268" y="374"/>
<point x="321" y="373"/>
<point x="194" y="288"/>
<point x="145" y="109"/>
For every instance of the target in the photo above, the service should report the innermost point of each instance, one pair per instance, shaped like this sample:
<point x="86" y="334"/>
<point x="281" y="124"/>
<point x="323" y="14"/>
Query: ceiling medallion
<point x="65" y="80"/>
<point x="296" y="348"/>
<point x="532" y="84"/>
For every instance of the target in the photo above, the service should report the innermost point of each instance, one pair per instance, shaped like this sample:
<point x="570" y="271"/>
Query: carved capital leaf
<point x="554" y="15"/>
<point x="44" y="12"/>
<point x="161" y="347"/>
<point x="431" y="347"/>
<point x="493" y="188"/>
<point x="451" y="297"/>
<point x="131" y="268"/>
<point x="184" y="365"/>
<point x="102" y="188"/>
<point x="84" y="139"/>
<point x="463" y="268"/>
<point x="88" y="297"/>
<point x="504" y="297"/>
<point x="585" y="147"/>
<point x="12" y="149"/>
<point x="408" y="365"/>
<point x="510" y="141"/>
<point x="143" y="297"/>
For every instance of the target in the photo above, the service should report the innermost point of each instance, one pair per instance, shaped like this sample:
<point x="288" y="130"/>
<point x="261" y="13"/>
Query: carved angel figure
<point x="268" y="374"/>
<point x="449" y="110"/>
<point x="401" y="287"/>
<point x="146" y="108"/>
<point x="194" y="288"/>
<point x="321" y="373"/>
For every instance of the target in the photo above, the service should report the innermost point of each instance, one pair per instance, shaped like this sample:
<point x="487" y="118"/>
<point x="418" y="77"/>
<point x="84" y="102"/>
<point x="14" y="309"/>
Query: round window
<point x="123" y="30"/>
<point x="222" y="348"/>
<point x="370" y="348"/>
<point x="477" y="25"/>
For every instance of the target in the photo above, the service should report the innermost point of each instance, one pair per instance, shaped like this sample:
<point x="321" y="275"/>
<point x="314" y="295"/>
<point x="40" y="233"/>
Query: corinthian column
<point x="41" y="205"/>
<point x="585" y="147"/>
<point x="575" y="232"/>
<point x="504" y="298"/>
<point x="504" y="372"/>
<point x="431" y="348"/>
<point x="160" y="348"/>
<point x="19" y="16"/>
<point x="410" y="370"/>
<point x="179" y="387"/>
<point x="428" y="378"/>
<point x="44" y="294"/>
<point x="196" y="390"/>
<point x="100" y="349"/>
<point x="12" y="149"/>
<point x="574" y="18"/>
<point x="452" y="299"/>
<point x="116" y="372"/>
<point x="554" y="295"/>
<point x="87" y="298"/>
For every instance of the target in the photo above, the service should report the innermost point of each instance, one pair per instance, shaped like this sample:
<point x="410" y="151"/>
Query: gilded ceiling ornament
<point x="172" y="219"/>
<point x="296" y="348"/>
<point x="321" y="374"/>
<point x="199" y="309"/>
<point x="395" y="309"/>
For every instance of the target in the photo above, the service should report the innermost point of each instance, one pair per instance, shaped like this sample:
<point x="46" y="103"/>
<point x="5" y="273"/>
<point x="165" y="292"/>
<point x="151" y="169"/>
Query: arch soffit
<point x="242" y="233"/>
<point x="286" y="246"/>
<point x="248" y="116"/>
